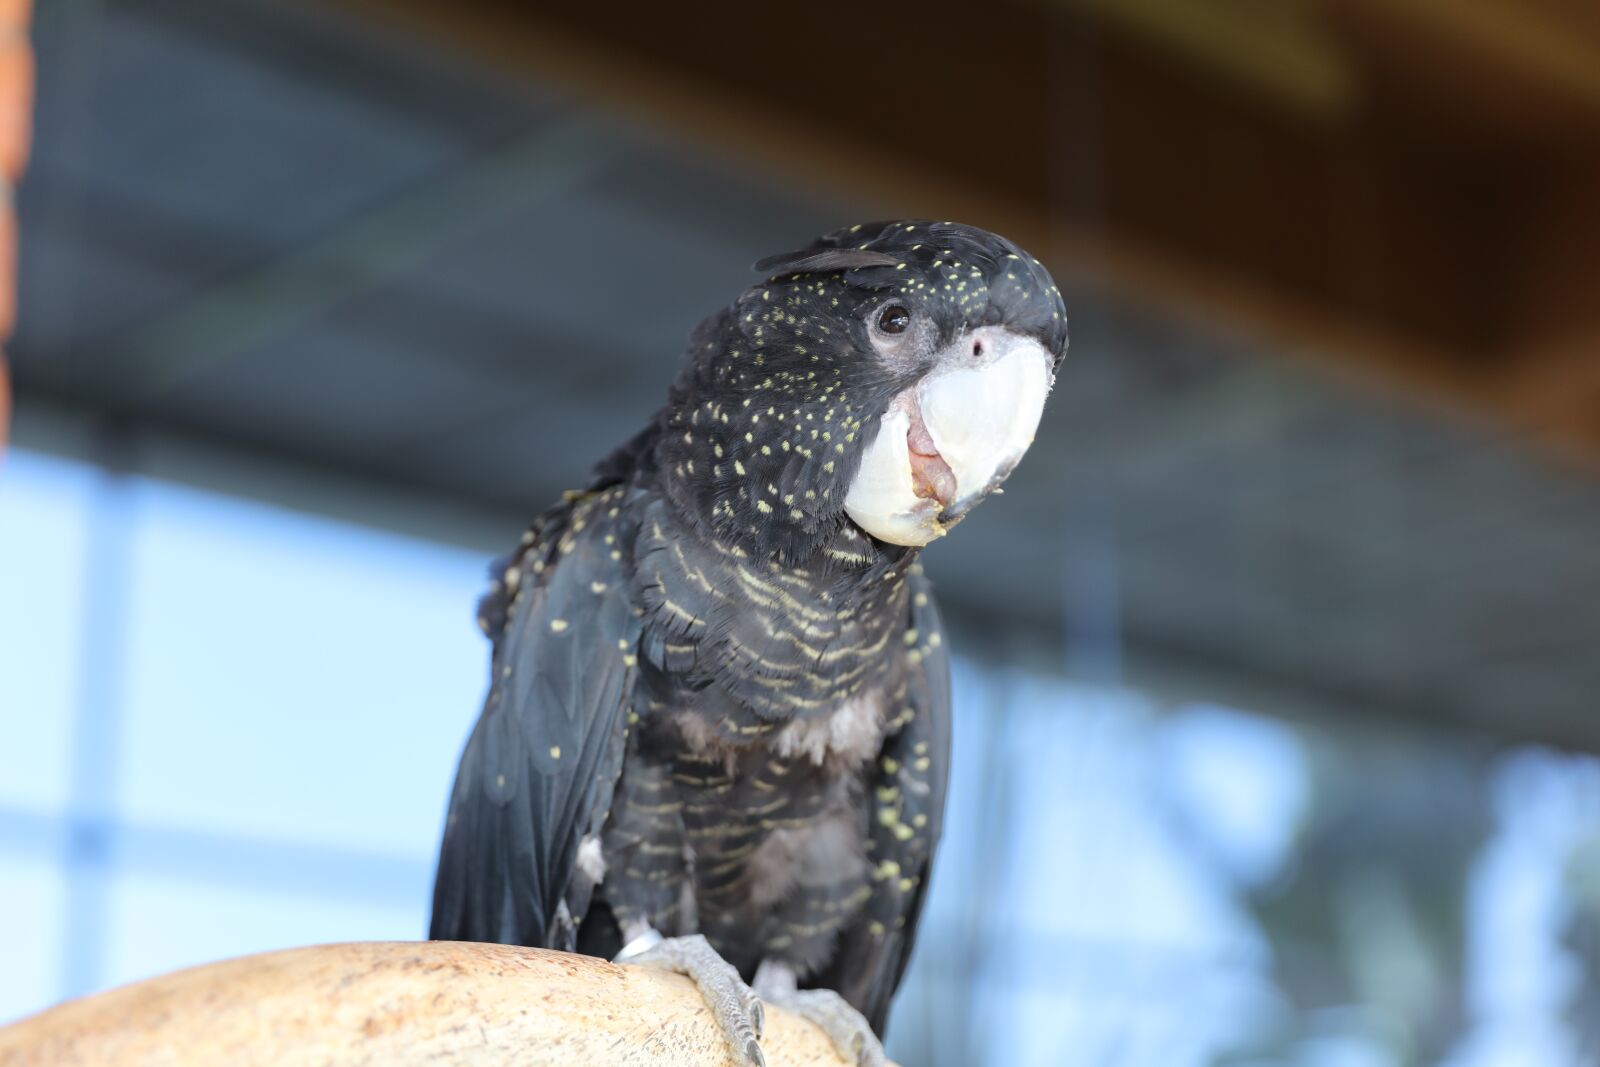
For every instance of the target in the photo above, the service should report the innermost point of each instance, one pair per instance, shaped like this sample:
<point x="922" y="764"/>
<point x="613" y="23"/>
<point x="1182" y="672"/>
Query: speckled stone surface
<point x="400" y="1003"/>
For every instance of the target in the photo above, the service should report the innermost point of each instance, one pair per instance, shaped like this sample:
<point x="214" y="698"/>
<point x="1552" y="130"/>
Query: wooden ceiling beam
<point x="1556" y="45"/>
<point x="1361" y="238"/>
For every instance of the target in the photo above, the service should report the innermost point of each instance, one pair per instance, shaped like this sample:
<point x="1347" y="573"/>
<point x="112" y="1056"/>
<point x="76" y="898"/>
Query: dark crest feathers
<point x="820" y="260"/>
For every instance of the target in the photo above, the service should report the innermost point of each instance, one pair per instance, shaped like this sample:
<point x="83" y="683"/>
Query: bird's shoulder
<point x="618" y="490"/>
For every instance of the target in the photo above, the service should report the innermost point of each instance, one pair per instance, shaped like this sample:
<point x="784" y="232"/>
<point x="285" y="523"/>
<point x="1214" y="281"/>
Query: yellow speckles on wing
<point x="597" y="588"/>
<point x="558" y="626"/>
<point x="763" y="507"/>
<point x="555" y="751"/>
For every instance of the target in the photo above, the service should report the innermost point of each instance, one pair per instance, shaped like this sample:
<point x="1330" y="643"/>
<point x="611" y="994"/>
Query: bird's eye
<point x="894" y="319"/>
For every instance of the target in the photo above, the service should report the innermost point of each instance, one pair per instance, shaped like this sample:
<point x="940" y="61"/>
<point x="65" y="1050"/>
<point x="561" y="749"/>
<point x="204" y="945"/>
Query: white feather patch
<point x="591" y="861"/>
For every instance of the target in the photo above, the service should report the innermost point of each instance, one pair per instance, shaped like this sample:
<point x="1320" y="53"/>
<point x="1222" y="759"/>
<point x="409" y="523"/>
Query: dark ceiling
<point x="290" y="232"/>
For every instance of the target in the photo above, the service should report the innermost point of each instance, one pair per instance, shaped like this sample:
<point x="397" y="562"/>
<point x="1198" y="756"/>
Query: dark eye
<point x="894" y="319"/>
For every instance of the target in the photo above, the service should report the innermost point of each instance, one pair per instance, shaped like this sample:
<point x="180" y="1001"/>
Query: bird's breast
<point x="848" y="736"/>
<point x="842" y="738"/>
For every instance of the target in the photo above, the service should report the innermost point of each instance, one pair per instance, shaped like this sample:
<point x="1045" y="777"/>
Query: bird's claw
<point x="846" y="1027"/>
<point x="758" y="1014"/>
<point x="733" y="1004"/>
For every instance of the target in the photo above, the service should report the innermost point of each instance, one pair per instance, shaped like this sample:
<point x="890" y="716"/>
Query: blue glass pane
<point x="160" y="923"/>
<point x="294" y="678"/>
<point x="43" y="545"/>
<point x="1118" y="941"/>
<point x="31" y="919"/>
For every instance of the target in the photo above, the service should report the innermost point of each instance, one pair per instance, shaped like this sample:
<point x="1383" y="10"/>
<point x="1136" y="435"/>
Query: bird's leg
<point x="846" y="1027"/>
<point x="733" y="1004"/>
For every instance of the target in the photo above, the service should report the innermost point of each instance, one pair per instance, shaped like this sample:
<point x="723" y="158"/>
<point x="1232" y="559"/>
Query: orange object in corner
<point x="16" y="125"/>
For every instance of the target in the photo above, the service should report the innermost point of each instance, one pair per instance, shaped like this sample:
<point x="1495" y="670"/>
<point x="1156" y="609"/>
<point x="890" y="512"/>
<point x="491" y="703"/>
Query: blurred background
<point x="1278" y="661"/>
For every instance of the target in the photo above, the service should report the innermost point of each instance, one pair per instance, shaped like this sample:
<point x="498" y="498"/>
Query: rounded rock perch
<point x="401" y="1003"/>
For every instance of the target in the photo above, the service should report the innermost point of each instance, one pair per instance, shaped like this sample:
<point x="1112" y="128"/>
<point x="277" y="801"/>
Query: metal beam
<point x="381" y="245"/>
<point x="1377" y="239"/>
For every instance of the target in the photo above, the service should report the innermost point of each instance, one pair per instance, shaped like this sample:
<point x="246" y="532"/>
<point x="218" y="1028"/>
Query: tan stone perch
<point x="401" y="1003"/>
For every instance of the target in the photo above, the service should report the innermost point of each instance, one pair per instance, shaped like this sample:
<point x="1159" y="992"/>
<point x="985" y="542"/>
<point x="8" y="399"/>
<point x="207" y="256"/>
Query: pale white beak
<point x="980" y="407"/>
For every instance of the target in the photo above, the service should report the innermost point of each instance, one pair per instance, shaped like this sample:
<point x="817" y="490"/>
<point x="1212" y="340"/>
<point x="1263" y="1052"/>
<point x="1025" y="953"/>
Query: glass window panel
<point x="31" y="920"/>
<point x="1117" y="939"/>
<point x="293" y="677"/>
<point x="44" y="509"/>
<point x="160" y="923"/>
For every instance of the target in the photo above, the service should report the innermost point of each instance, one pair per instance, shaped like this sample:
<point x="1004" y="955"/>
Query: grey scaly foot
<point x="733" y="1004"/>
<point x="846" y="1027"/>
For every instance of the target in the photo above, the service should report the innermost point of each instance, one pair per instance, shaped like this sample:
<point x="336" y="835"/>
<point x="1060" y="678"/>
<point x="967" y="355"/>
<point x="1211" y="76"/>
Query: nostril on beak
<point x="977" y="348"/>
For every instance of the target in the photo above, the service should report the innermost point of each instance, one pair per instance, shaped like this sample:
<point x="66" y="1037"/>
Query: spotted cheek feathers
<point x="766" y="425"/>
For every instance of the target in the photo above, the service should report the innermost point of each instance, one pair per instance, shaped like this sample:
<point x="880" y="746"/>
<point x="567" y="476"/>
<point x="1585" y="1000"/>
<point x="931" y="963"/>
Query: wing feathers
<point x="539" y="768"/>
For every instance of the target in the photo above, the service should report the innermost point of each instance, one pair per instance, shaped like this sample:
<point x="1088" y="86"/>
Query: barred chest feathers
<point x="843" y="739"/>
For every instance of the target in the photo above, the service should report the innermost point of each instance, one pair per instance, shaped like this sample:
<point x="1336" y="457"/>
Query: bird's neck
<point x="783" y="638"/>
<point x="841" y="570"/>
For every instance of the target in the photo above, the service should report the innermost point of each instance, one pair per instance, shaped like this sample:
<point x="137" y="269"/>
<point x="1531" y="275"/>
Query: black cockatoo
<point x="717" y="734"/>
